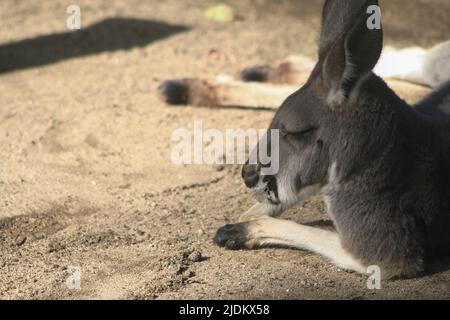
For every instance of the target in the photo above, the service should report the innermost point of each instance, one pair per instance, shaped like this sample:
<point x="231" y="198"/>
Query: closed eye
<point x="298" y="133"/>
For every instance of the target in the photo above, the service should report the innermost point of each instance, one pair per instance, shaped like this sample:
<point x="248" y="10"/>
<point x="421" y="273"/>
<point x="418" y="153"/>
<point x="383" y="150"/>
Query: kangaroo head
<point x="314" y="123"/>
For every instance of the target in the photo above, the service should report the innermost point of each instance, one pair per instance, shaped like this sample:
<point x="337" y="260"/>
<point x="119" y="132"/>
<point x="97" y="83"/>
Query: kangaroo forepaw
<point x="232" y="236"/>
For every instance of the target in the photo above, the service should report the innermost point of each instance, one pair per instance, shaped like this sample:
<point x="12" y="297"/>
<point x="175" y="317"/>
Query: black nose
<point x="250" y="173"/>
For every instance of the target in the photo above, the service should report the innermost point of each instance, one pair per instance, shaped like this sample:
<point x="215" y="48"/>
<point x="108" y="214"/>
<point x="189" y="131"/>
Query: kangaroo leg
<point x="223" y="93"/>
<point x="288" y="71"/>
<point x="268" y="231"/>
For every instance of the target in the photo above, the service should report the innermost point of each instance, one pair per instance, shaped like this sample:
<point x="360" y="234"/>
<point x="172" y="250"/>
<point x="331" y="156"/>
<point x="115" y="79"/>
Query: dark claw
<point x="174" y="91"/>
<point x="255" y="74"/>
<point x="232" y="236"/>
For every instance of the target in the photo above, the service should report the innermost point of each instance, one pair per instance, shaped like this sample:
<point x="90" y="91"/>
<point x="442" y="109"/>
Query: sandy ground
<point x="85" y="173"/>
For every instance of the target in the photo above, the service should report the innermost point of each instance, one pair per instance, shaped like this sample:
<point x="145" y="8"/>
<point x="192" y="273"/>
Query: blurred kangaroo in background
<point x="269" y="85"/>
<point x="382" y="165"/>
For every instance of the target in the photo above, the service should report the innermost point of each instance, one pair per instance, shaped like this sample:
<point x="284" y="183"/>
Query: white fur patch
<point x="332" y="173"/>
<point x="333" y="184"/>
<point x="336" y="98"/>
<point x="417" y="65"/>
<point x="437" y="64"/>
<point x="405" y="64"/>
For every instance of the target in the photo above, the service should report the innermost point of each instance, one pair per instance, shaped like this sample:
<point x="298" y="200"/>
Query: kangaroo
<point x="381" y="164"/>
<point x="426" y="67"/>
<point x="270" y="85"/>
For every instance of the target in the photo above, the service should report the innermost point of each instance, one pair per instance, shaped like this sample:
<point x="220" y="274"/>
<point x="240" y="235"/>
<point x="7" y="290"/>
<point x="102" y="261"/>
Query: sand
<point x="86" y="179"/>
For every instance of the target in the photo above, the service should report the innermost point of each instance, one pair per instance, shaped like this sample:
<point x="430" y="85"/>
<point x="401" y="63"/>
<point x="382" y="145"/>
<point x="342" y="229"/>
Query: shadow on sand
<point x="107" y="35"/>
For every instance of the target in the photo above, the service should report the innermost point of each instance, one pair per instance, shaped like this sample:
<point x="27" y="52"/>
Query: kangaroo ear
<point x="350" y="45"/>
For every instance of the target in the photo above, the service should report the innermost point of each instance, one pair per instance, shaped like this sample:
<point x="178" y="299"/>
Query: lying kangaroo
<point x="382" y="166"/>
<point x="424" y="67"/>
